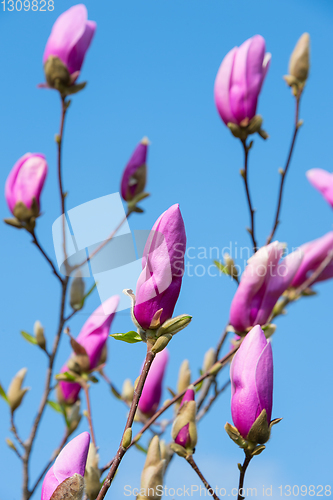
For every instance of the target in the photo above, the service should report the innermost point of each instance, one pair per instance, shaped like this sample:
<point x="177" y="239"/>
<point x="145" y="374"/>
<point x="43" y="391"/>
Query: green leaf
<point x="66" y="376"/>
<point x="3" y="394"/>
<point x="28" y="337"/>
<point x="93" y="379"/>
<point x="173" y="394"/>
<point x="141" y="448"/>
<point x="87" y="294"/>
<point x="55" y="406"/>
<point x="221" y="267"/>
<point x="129" y="337"/>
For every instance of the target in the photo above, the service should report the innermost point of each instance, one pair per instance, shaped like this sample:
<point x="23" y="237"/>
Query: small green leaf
<point x="66" y="376"/>
<point x="115" y="392"/>
<point x="173" y="394"/>
<point x="87" y="294"/>
<point x="93" y="379"/>
<point x="28" y="337"/>
<point x="129" y="337"/>
<point x="3" y="394"/>
<point x="55" y="406"/>
<point x="141" y="448"/>
<point x="221" y="267"/>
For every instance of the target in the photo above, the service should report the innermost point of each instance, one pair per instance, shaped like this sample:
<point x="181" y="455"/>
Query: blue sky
<point x="150" y="71"/>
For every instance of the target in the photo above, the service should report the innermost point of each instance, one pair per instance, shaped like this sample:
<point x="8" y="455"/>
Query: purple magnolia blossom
<point x="261" y="285"/>
<point x="314" y="253"/>
<point x="92" y="337"/>
<point x="183" y="437"/>
<point x="239" y="80"/>
<point x="134" y="176"/>
<point x="25" y="181"/>
<point x="152" y="390"/>
<point x="251" y="375"/>
<point x="323" y="181"/>
<point x="159" y="283"/>
<point x="71" y="460"/>
<point x="70" y="38"/>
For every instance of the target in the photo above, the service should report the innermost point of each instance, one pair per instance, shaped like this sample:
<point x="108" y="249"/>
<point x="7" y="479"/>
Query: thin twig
<point x="246" y="182"/>
<point x="285" y="171"/>
<point x="54" y="455"/>
<point x="121" y="450"/>
<point x="38" y="245"/>
<point x="89" y="415"/>
<point x="102" y="245"/>
<point x="194" y="466"/>
<point x="247" y="460"/>
<point x="14" y="431"/>
<point x="212" y="400"/>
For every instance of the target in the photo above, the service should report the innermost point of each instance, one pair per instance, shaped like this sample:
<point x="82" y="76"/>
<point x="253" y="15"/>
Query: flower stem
<point x="85" y="387"/>
<point x="285" y="171"/>
<point x="245" y="465"/>
<point x="194" y="466"/>
<point x="247" y="189"/>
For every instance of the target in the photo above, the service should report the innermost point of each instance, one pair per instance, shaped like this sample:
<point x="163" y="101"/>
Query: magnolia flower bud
<point x="127" y="392"/>
<point x="134" y="177"/>
<point x="184" y="430"/>
<point x="65" y="478"/>
<point x="230" y="266"/>
<point x="152" y="474"/>
<point x="184" y="377"/>
<point x="299" y="61"/>
<point x="73" y="416"/>
<point x="92" y="473"/>
<point x="152" y="390"/>
<point x="209" y="360"/>
<point x="77" y="292"/>
<point x="15" y="392"/>
<point x="39" y="335"/>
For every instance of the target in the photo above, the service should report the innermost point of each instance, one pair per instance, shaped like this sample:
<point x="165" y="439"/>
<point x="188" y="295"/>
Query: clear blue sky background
<point x="151" y="71"/>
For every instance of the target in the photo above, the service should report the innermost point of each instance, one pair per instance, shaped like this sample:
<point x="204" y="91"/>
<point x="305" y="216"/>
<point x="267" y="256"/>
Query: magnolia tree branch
<point x="285" y="171"/>
<point x="242" y="469"/>
<point x="40" y="248"/>
<point x="136" y="398"/>
<point x="28" y="445"/>
<point x="194" y="466"/>
<point x="244" y="174"/>
<point x="85" y="387"/>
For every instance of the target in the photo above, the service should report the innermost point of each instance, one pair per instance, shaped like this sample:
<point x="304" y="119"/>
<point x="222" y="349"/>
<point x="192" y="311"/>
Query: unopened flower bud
<point x="127" y="392"/>
<point x="184" y="377"/>
<point x="11" y="444"/>
<point x="77" y="292"/>
<point x="299" y="61"/>
<point x="152" y="474"/>
<point x="73" y="416"/>
<point x="15" y="392"/>
<point x="208" y="360"/>
<point x="127" y="439"/>
<point x="184" y="431"/>
<point x="92" y="474"/>
<point x="161" y="343"/>
<point x="39" y="335"/>
<point x="230" y="266"/>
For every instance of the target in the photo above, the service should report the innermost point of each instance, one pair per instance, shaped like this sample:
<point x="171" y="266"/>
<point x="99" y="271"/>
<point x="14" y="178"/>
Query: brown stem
<point x="38" y="245"/>
<point x="285" y="171"/>
<point x="194" y="466"/>
<point x="246" y="182"/>
<point x="14" y="431"/>
<point x="121" y="450"/>
<point x="247" y="460"/>
<point x="54" y="455"/>
<point x="102" y="245"/>
<point x="89" y="415"/>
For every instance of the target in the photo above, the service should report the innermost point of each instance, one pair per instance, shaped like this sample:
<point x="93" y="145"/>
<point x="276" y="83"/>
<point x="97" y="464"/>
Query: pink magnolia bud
<point x="134" y="177"/>
<point x="92" y="337"/>
<point x="323" y="181"/>
<point x="251" y="375"/>
<point x="25" y="181"/>
<point x="183" y="437"/>
<point x="159" y="283"/>
<point x="152" y="390"/>
<point x="70" y="462"/>
<point x="239" y="80"/>
<point x="70" y="38"/>
<point x="262" y="283"/>
<point x="314" y="253"/>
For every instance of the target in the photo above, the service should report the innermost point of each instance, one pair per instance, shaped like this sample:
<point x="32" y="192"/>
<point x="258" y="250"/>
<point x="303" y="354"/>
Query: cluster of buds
<point x="66" y="48"/>
<point x="251" y="375"/>
<point x="65" y="479"/>
<point x="89" y="350"/>
<point x="23" y="189"/>
<point x="184" y="429"/>
<point x="238" y="84"/>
